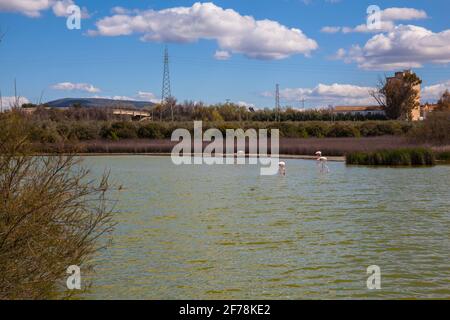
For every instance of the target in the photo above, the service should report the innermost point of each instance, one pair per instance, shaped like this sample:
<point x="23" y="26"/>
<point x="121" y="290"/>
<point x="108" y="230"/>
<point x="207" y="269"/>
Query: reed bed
<point x="288" y="146"/>
<point x="396" y="157"/>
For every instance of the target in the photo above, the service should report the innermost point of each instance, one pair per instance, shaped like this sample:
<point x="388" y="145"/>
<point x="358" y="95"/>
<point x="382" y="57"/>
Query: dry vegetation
<point x="52" y="215"/>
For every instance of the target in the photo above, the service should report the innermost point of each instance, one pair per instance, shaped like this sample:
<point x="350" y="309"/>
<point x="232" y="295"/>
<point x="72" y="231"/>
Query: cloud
<point x="8" y="102"/>
<point x="69" y="86"/>
<point x="234" y="33"/>
<point x="33" y="8"/>
<point x="322" y="94"/>
<point x="119" y="98"/>
<point x="397" y="14"/>
<point x="60" y="9"/>
<point x="245" y="104"/>
<point x="222" y="55"/>
<point x="148" y="96"/>
<point x="406" y="46"/>
<point x="330" y="29"/>
<point x="140" y="96"/>
<point x="363" y="28"/>
<point x="434" y="92"/>
<point x="387" y="23"/>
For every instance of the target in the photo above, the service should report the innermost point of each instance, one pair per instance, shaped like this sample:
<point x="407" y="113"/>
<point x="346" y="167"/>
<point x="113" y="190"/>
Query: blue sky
<point x="317" y="50"/>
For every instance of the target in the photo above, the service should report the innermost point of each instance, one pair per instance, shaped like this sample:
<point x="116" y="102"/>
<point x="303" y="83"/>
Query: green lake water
<point x="225" y="232"/>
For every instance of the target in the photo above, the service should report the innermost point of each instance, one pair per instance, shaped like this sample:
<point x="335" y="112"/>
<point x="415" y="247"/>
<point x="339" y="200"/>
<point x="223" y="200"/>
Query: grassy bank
<point x="288" y="146"/>
<point x="49" y="131"/>
<point x="397" y="157"/>
<point x="443" y="156"/>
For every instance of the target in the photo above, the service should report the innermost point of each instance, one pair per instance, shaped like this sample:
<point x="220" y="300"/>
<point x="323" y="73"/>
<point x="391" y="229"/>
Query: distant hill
<point x="98" y="103"/>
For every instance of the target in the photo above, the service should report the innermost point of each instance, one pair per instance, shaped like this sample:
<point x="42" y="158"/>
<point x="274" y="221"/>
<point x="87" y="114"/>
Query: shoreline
<point x="156" y="154"/>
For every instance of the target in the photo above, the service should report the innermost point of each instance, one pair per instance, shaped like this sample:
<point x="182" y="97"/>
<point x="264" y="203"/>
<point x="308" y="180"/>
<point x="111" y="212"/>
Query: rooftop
<point x="357" y="108"/>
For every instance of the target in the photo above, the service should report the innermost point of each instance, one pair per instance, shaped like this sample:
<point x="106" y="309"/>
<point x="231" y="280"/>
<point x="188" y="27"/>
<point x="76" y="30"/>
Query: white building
<point x="359" y="110"/>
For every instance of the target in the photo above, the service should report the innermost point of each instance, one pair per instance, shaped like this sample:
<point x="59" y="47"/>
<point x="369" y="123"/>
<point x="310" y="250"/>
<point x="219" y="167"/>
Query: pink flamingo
<point x="322" y="161"/>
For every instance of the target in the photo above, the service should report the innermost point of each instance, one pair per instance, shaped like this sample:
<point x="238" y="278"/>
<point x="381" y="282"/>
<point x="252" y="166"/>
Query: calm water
<point x="225" y="232"/>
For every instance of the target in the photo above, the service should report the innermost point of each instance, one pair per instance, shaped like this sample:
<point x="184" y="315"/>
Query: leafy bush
<point x="389" y="128"/>
<point x="83" y="132"/>
<point x="369" y="129"/>
<point x="397" y="157"/>
<point x="317" y="129"/>
<point x="45" y="132"/>
<point x="443" y="156"/>
<point x="151" y="131"/>
<point x="435" y="129"/>
<point x="288" y="129"/>
<point x="119" y="130"/>
<point x="342" y="130"/>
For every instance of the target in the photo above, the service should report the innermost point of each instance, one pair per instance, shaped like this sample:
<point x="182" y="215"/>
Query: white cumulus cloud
<point x="387" y="23"/>
<point x="234" y="33"/>
<point x="148" y="96"/>
<point x="139" y="96"/>
<point x="34" y="8"/>
<point x="323" y="94"/>
<point x="406" y="46"/>
<point x="246" y="104"/>
<point x="222" y="55"/>
<point x="31" y="8"/>
<point x="60" y="9"/>
<point x="434" y="92"/>
<point x="69" y="86"/>
<point x="8" y="102"/>
<point x="328" y="29"/>
<point x="397" y="14"/>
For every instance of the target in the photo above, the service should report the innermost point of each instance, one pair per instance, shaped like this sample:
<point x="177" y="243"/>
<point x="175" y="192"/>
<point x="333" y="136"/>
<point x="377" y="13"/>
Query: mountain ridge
<point x="98" y="103"/>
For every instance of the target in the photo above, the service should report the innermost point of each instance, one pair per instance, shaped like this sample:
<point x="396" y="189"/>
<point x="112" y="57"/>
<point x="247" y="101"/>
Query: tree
<point x="170" y="103"/>
<point x="398" y="96"/>
<point x="52" y="215"/>
<point x="435" y="129"/>
<point x="444" y="102"/>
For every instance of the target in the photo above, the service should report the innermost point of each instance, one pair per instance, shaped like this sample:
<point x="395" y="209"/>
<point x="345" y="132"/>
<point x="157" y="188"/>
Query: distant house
<point x="359" y="110"/>
<point x="426" y="109"/>
<point x="418" y="113"/>
<point x="399" y="76"/>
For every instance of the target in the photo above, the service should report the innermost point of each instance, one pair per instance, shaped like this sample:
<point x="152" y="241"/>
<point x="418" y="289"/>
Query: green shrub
<point x="435" y="129"/>
<point x="119" y="130"/>
<point x="397" y="157"/>
<point x="83" y="132"/>
<point x="316" y="129"/>
<point x="63" y="130"/>
<point x="45" y="132"/>
<point x="443" y="156"/>
<point x="151" y="131"/>
<point x="389" y="128"/>
<point x="301" y="131"/>
<point x="288" y="130"/>
<point x="343" y="130"/>
<point x="369" y="129"/>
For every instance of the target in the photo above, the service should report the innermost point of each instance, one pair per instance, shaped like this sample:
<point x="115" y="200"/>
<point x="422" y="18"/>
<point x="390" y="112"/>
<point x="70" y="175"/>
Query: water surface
<point x="225" y="232"/>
